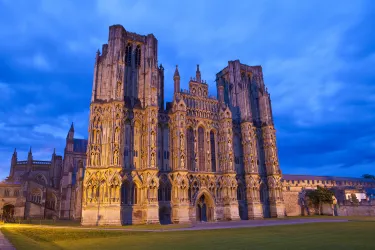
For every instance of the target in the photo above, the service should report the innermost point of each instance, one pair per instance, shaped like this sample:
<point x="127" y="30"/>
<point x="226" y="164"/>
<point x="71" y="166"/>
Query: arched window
<point x="160" y="147"/>
<point x="190" y="149"/>
<point x="6" y="192"/>
<point x="167" y="192"/>
<point x="134" y="194"/>
<point x="138" y="56"/>
<point x="36" y="195"/>
<point x="51" y="201"/>
<point x="41" y="179"/>
<point x="166" y="148"/>
<point x="137" y="145"/>
<point x="128" y="54"/>
<point x="201" y="149"/>
<point x="237" y="152"/>
<point x="213" y="151"/>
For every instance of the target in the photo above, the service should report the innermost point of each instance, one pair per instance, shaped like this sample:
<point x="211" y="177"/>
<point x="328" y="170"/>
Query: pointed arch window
<point x="213" y="151"/>
<point x="138" y="56"/>
<point x="190" y="149"/>
<point x="134" y="194"/>
<point x="201" y="152"/>
<point x="36" y="196"/>
<point x="128" y="54"/>
<point x="51" y="201"/>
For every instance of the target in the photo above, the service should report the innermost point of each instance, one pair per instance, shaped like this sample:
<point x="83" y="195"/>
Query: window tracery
<point x="36" y="195"/>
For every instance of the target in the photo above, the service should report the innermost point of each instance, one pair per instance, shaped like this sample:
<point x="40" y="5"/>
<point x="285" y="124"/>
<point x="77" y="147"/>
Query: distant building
<point x="200" y="158"/>
<point x="45" y="189"/>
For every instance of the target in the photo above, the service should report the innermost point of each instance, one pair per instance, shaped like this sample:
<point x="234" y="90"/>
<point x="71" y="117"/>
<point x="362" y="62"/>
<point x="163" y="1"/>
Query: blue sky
<point x="318" y="60"/>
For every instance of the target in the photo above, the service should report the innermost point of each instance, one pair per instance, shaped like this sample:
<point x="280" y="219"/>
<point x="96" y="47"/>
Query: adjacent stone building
<point x="199" y="158"/>
<point x="45" y="189"/>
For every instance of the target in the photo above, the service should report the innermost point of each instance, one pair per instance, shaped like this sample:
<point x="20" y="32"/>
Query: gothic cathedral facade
<point x="199" y="158"/>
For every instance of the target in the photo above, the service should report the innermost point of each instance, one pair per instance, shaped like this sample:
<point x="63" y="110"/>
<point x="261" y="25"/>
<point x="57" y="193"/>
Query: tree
<point x="368" y="176"/>
<point x="354" y="199"/>
<point x="319" y="196"/>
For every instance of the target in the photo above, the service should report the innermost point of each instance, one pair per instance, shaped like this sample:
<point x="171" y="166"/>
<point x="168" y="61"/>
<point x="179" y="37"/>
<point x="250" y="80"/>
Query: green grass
<point x="343" y="235"/>
<point x="350" y="218"/>
<point x="46" y="222"/>
<point x="68" y="223"/>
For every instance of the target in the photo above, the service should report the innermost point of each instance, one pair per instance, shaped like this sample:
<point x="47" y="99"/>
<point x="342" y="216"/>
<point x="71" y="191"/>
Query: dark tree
<point x="319" y="196"/>
<point x="354" y="199"/>
<point x="368" y="176"/>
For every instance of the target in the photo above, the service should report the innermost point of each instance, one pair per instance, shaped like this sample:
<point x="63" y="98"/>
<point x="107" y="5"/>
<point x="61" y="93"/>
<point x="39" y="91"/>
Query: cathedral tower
<point x="243" y="89"/>
<point x="127" y="94"/>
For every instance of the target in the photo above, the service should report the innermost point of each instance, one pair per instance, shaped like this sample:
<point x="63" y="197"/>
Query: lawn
<point x="343" y="235"/>
<point x="69" y="223"/>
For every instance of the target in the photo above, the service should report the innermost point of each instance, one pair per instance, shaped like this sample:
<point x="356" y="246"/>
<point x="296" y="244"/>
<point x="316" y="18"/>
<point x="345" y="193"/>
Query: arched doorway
<point x="8" y="213"/>
<point x="205" y="208"/>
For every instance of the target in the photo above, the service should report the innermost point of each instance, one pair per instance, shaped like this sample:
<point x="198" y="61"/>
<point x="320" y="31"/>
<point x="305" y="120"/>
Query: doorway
<point x="8" y="213"/>
<point x="204" y="209"/>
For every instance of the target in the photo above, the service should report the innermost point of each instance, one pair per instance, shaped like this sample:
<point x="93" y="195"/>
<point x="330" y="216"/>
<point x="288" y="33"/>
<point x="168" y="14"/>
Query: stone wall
<point x="294" y="208"/>
<point x="360" y="210"/>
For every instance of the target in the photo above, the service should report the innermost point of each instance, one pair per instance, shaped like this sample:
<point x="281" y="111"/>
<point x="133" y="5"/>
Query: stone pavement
<point x="5" y="244"/>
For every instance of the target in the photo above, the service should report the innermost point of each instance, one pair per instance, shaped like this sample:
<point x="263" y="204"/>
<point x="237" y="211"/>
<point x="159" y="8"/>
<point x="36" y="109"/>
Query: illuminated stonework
<point x="200" y="158"/>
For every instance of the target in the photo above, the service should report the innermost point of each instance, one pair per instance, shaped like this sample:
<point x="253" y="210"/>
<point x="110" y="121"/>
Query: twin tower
<point x="197" y="159"/>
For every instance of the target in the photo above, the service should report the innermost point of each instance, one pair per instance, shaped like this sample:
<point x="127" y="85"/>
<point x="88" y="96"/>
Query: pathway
<point x="5" y="244"/>
<point x="252" y="223"/>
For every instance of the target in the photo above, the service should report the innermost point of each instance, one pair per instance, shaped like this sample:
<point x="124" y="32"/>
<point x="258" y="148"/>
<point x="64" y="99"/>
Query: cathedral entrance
<point x="8" y="213"/>
<point x="165" y="215"/>
<point x="205" y="208"/>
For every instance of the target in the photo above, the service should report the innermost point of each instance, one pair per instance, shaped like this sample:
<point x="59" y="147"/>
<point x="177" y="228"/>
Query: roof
<point x="80" y="145"/>
<point x="323" y="178"/>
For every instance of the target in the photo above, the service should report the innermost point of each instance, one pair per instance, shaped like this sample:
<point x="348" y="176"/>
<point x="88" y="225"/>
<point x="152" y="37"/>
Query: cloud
<point x="317" y="65"/>
<point x="36" y="61"/>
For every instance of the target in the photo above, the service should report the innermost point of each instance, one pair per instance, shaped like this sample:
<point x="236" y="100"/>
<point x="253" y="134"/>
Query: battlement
<point x="118" y="31"/>
<point x="35" y="162"/>
<point x="243" y="69"/>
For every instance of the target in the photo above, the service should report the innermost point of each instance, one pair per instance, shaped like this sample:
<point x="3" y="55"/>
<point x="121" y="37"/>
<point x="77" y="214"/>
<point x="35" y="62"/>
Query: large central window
<point x="190" y="149"/>
<point x="201" y="151"/>
<point x="213" y="151"/>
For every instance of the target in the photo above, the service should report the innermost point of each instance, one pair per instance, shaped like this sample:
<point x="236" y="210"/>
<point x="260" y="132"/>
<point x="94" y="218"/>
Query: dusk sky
<point x="318" y="60"/>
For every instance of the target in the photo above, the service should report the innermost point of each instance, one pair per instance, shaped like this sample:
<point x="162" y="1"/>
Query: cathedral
<point x="197" y="158"/>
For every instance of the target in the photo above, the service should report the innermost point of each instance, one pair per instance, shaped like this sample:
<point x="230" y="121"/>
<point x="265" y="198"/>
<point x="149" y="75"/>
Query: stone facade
<point x="200" y="158"/>
<point x="45" y="189"/>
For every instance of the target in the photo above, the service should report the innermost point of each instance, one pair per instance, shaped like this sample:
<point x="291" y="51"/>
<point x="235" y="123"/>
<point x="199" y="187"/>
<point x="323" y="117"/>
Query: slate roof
<point x="80" y="145"/>
<point x="323" y="178"/>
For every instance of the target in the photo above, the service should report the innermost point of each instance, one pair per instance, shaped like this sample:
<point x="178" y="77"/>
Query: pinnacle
<point x="176" y="73"/>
